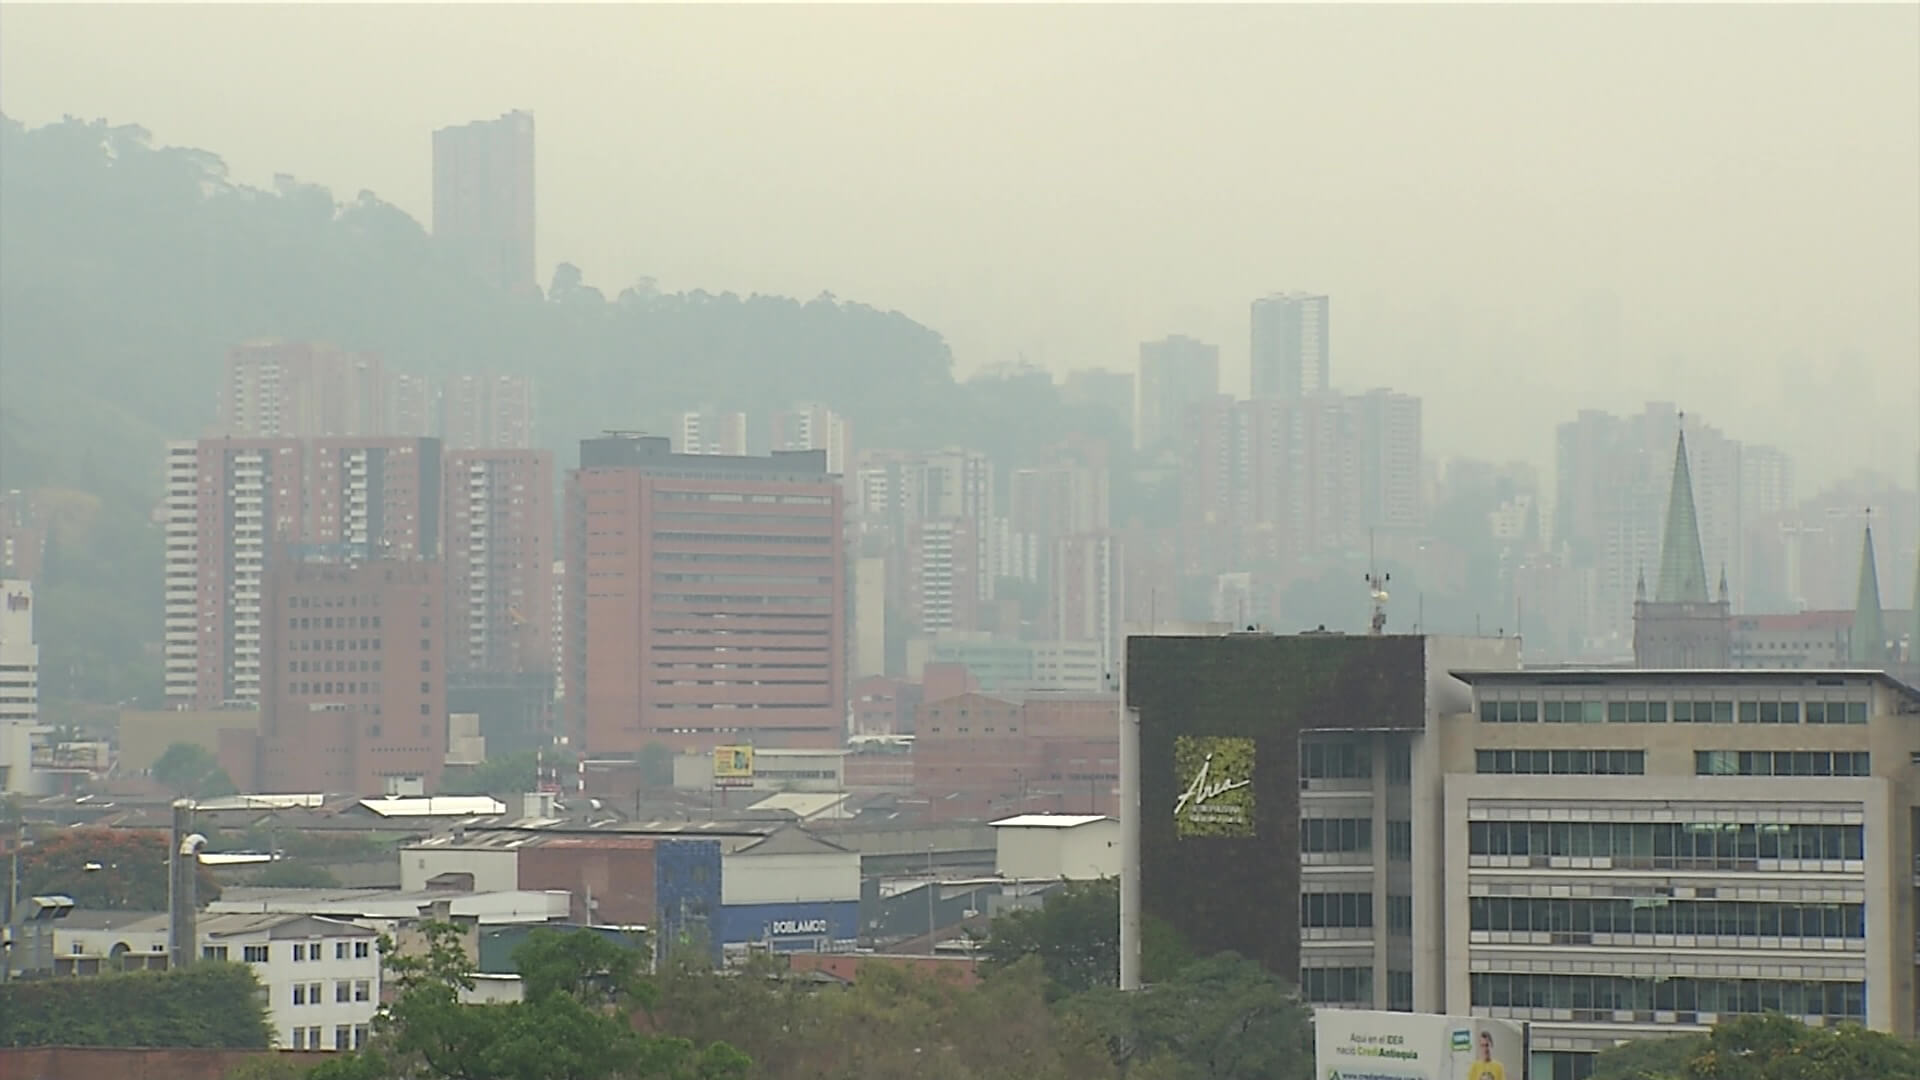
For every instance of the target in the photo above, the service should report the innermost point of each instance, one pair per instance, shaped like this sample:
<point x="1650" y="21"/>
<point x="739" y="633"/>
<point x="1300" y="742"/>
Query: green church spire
<point x="1683" y="569"/>
<point x="1867" y="645"/>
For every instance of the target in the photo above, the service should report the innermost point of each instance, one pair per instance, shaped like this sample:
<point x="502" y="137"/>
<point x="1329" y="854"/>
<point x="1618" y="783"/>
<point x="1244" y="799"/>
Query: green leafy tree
<point x="1221" y="1018"/>
<point x="1075" y="933"/>
<point x="1649" y="1059"/>
<point x="113" y="869"/>
<point x="892" y="1022"/>
<point x="191" y="769"/>
<point x="574" y="1022"/>
<point x="1768" y="1047"/>
<point x="209" y="1005"/>
<point x="505" y="776"/>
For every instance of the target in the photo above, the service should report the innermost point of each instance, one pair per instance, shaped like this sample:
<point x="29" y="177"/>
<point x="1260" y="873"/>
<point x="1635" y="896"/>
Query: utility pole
<point x="933" y="887"/>
<point x="13" y="903"/>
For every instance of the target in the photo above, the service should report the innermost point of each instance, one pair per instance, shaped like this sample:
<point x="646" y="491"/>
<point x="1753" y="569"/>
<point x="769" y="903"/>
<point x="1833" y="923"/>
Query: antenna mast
<point x="1376" y="591"/>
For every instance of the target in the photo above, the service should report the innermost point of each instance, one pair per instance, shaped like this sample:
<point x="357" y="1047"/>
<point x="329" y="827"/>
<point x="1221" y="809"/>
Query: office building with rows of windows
<point x="1630" y="853"/>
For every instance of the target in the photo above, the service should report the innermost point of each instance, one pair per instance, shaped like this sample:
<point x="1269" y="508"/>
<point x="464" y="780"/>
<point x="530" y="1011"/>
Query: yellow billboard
<point x="733" y="766"/>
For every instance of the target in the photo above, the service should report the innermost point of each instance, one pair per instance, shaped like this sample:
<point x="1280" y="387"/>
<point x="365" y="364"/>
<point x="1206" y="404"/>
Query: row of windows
<point x="345" y="622"/>
<point x="345" y="1037"/>
<point x="1660" y="915"/>
<point x="1842" y="1000"/>
<point x="1679" y="842"/>
<point x="1337" y="985"/>
<point x="310" y="993"/>
<point x="1335" y="761"/>
<point x="315" y="950"/>
<point x="336" y="645"/>
<point x="1327" y="911"/>
<point x="342" y="666"/>
<point x="1561" y="762"/>
<point x="1324" y="835"/>
<point x="1683" y="712"/>
<point x="734" y="538"/>
<point x="1782" y="763"/>
<point x="738" y="557"/>
<point x="351" y="600"/>
<point x="740" y="601"/>
<point x="736" y="497"/>
<point x="756" y="518"/>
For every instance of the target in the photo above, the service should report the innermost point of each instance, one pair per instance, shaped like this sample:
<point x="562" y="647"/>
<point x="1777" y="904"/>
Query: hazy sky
<point x="1519" y="211"/>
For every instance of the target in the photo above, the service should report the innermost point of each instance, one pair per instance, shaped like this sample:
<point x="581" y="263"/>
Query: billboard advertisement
<point x="1353" y="1044"/>
<point x="1216" y="785"/>
<point x="733" y="766"/>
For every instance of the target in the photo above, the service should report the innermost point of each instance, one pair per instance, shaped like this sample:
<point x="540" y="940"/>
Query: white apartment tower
<point x="1291" y="346"/>
<point x="708" y="432"/>
<point x="19" y="689"/>
<point x="814" y="427"/>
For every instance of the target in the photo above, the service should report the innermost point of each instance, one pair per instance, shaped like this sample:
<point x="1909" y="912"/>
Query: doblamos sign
<point x="1351" y="1044"/>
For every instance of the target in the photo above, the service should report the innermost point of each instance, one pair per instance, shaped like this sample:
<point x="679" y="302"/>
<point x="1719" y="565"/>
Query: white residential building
<point x="19" y="688"/>
<point x="814" y="427"/>
<point x="713" y="433"/>
<point x="321" y="976"/>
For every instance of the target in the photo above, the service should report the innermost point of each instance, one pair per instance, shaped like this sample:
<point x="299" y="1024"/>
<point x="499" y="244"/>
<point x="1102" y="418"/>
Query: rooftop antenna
<point x="1376" y="591"/>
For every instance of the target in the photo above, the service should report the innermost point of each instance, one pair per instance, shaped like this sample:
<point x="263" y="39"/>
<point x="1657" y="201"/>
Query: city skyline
<point x="1595" y="283"/>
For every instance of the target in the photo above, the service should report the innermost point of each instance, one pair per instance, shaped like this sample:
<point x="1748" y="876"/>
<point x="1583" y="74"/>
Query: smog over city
<point x="1146" y="541"/>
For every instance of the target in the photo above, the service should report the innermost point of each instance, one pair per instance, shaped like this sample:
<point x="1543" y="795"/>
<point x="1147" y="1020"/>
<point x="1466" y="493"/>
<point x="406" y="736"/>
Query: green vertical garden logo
<point x="1216" y="777"/>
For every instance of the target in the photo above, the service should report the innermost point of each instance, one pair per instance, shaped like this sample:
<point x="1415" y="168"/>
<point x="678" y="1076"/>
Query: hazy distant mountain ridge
<point x="129" y="269"/>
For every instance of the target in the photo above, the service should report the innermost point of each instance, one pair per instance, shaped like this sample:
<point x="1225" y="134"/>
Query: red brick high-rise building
<point x="486" y="412"/>
<point x="499" y="551"/>
<point x="354" y="694"/>
<point x="483" y="207"/>
<point x="298" y="390"/>
<point x="705" y="598"/>
<point x="229" y="501"/>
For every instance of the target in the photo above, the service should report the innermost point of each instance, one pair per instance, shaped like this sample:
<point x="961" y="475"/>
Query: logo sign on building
<point x="19" y="601"/>
<point x="796" y="927"/>
<point x="1353" y="1044"/>
<point x="1216" y="785"/>
<point x="733" y="766"/>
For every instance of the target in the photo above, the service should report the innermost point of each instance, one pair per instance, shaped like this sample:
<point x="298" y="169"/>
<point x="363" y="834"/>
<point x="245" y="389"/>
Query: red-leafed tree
<point x="113" y="869"/>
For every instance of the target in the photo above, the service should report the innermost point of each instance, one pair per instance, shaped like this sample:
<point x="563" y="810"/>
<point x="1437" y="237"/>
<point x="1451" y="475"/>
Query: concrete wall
<point x="776" y="879"/>
<point x="493" y="870"/>
<point x="1082" y="853"/>
<point x="146" y="734"/>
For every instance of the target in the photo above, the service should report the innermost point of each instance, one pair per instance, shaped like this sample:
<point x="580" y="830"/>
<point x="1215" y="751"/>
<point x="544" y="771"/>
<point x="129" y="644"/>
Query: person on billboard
<point x="1484" y="1067"/>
